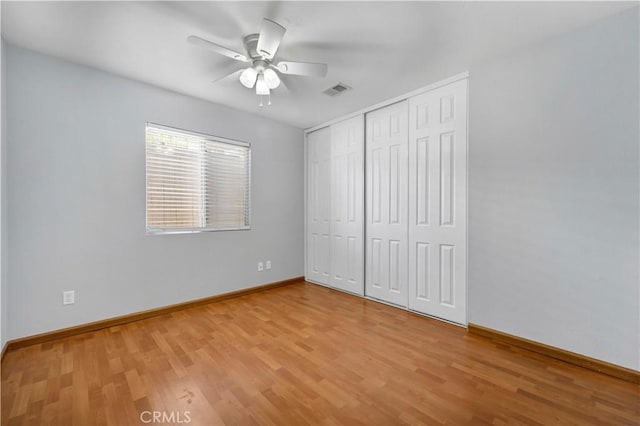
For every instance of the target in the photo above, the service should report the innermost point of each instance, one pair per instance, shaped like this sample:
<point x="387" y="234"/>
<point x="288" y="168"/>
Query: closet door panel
<point x="386" y="206"/>
<point x="347" y="205"/>
<point x="437" y="202"/>
<point x="318" y="205"/>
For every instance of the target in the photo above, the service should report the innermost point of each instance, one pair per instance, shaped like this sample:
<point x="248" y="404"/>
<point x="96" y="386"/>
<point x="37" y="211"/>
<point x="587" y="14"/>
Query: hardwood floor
<point x="297" y="355"/>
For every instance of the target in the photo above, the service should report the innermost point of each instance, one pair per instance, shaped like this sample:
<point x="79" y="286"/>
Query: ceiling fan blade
<point x="283" y="88"/>
<point x="271" y="34"/>
<point x="233" y="76"/>
<point x="302" y="68"/>
<point x="217" y="48"/>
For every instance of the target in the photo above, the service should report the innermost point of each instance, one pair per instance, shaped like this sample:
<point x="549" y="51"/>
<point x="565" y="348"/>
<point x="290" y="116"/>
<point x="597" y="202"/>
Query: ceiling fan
<point x="261" y="50"/>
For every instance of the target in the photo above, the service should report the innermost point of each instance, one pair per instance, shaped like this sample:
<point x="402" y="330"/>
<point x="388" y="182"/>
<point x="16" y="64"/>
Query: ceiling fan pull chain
<point x="269" y="99"/>
<point x="260" y="105"/>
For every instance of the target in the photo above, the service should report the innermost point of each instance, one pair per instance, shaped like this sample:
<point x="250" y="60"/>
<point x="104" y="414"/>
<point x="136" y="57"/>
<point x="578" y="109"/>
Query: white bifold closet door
<point x="335" y="205"/>
<point x="347" y="205"/>
<point x="386" y="204"/>
<point x="438" y="202"/>
<point x="318" y="204"/>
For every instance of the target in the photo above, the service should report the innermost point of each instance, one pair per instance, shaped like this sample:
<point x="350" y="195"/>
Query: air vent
<point x="337" y="89"/>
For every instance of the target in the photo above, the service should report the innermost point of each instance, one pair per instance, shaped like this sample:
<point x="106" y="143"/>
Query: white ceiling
<point x="381" y="49"/>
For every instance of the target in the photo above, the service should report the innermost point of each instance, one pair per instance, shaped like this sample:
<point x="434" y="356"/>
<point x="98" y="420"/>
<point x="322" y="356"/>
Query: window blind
<point x="196" y="182"/>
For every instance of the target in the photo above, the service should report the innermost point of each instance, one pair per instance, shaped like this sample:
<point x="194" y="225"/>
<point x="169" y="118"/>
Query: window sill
<point x="194" y="230"/>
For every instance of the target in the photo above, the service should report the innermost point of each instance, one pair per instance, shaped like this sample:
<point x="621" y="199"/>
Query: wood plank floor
<point x="297" y="355"/>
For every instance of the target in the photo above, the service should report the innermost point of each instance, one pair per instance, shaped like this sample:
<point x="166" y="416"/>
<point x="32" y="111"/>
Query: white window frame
<point x="155" y="230"/>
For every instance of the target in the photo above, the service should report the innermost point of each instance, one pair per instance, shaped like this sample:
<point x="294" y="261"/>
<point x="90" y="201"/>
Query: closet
<point x="404" y="243"/>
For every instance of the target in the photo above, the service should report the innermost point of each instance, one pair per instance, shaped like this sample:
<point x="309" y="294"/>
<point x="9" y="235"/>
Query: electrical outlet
<point x="68" y="297"/>
<point x="260" y="267"/>
<point x="267" y="265"/>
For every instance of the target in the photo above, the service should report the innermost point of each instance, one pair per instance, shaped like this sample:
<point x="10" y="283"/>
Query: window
<point x="196" y="182"/>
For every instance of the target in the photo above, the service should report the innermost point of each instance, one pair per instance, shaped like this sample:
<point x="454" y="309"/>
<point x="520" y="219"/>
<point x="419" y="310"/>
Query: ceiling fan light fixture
<point x="261" y="86"/>
<point x="271" y="78"/>
<point x="248" y="77"/>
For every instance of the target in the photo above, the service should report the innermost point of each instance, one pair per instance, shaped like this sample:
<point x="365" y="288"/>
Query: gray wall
<point x="76" y="197"/>
<point x="4" y="312"/>
<point x="553" y="192"/>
